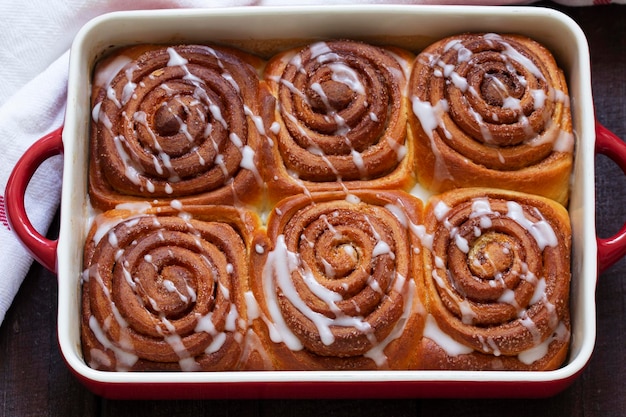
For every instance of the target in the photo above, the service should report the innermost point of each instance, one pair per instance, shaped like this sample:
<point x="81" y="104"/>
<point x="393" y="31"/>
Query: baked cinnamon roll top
<point x="337" y="205"/>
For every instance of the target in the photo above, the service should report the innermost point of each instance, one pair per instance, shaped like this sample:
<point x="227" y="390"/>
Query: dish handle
<point x="611" y="249"/>
<point x="41" y="248"/>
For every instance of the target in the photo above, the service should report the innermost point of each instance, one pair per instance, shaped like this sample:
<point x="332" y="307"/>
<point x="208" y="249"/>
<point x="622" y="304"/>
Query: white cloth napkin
<point x="36" y="36"/>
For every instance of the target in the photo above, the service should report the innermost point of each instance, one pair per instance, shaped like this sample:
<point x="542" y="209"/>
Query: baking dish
<point x="261" y="29"/>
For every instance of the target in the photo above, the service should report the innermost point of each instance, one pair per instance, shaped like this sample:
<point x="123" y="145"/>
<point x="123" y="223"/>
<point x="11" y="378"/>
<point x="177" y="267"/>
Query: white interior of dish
<point x="410" y="26"/>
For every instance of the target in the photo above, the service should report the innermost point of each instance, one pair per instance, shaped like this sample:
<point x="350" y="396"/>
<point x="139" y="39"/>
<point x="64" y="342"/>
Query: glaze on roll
<point x="164" y="289"/>
<point x="335" y="206"/>
<point x="491" y="110"/>
<point x="336" y="281"/>
<point x="180" y="122"/>
<point x="497" y="274"/>
<point x="340" y="118"/>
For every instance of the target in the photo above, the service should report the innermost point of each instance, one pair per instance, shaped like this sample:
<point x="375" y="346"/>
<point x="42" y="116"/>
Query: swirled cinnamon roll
<point x="497" y="272"/>
<point x="340" y="118"/>
<point x="335" y="281"/>
<point x="164" y="289"/>
<point x="491" y="110"/>
<point x="180" y="122"/>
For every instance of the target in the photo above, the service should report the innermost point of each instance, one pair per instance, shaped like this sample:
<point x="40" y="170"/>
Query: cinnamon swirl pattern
<point x="264" y="214"/>
<point x="491" y="109"/>
<point x="180" y="122"/>
<point x="497" y="274"/>
<point x="341" y="117"/>
<point x="165" y="290"/>
<point x="335" y="280"/>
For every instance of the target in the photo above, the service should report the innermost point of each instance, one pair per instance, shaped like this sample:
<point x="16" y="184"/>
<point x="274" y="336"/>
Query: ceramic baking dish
<point x="260" y="28"/>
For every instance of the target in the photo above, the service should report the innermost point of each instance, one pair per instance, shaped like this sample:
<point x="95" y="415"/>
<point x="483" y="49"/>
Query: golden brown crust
<point x="341" y="118"/>
<point x="335" y="280"/>
<point x="307" y="254"/>
<point x="164" y="289"/>
<point x="491" y="109"/>
<point x="497" y="277"/>
<point x="434" y="357"/>
<point x="180" y="122"/>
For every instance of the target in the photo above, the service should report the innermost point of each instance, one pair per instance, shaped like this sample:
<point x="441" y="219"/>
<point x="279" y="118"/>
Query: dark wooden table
<point x="34" y="380"/>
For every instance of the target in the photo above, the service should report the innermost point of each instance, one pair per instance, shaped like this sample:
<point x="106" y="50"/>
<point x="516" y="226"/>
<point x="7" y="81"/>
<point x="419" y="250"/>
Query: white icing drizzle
<point x="128" y="91"/>
<point x="441" y="210"/>
<point x="431" y="115"/>
<point x="561" y="333"/>
<point x="447" y="343"/>
<point x="176" y="60"/>
<point x="252" y="306"/>
<point x="112" y="96"/>
<point x="460" y="242"/>
<point x="277" y="260"/>
<point x="161" y="160"/>
<point x="123" y="349"/>
<point x="341" y="72"/>
<point x="344" y="74"/>
<point x="540" y="230"/>
<point x="545" y="236"/>
<point x="376" y="353"/>
<point x="467" y="312"/>
<point x="186" y="362"/>
<point x="95" y="112"/>
<point x="124" y="359"/>
<point x="564" y="142"/>
<point x="281" y="264"/>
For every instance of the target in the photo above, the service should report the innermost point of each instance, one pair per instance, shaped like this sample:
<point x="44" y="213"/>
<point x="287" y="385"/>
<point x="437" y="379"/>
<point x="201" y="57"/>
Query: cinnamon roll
<point x="258" y="215"/>
<point x="491" y="110"/>
<point x="340" y="118"/>
<point x="335" y="281"/>
<point x="176" y="122"/>
<point x="497" y="276"/>
<point x="165" y="289"/>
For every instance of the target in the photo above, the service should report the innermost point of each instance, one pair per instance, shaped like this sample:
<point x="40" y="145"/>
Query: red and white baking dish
<point x="418" y="25"/>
